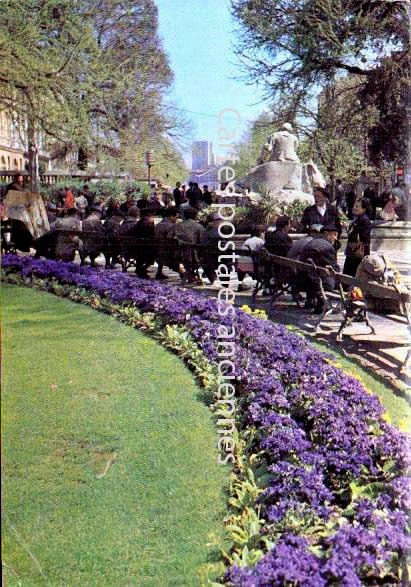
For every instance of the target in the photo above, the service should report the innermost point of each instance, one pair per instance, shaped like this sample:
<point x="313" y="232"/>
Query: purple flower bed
<point x="328" y="459"/>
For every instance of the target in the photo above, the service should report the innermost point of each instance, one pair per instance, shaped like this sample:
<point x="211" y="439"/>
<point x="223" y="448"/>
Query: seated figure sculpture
<point x="281" y="146"/>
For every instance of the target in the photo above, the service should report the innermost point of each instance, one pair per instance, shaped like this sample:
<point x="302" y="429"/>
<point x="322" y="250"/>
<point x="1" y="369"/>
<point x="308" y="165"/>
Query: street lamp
<point x="149" y="161"/>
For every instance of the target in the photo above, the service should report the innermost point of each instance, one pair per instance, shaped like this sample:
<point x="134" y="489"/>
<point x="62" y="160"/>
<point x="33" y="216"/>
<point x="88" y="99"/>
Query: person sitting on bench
<point x="322" y="253"/>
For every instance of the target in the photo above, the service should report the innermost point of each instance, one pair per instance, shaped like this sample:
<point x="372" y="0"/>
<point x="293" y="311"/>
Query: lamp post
<point x="149" y="161"/>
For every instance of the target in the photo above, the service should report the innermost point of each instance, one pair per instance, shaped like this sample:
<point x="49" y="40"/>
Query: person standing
<point x="16" y="184"/>
<point x="339" y="194"/>
<point x="359" y="237"/>
<point x="194" y="196"/>
<point x="69" y="200"/>
<point x="81" y="205"/>
<point x="145" y="230"/>
<point x="177" y="195"/>
<point x="322" y="212"/>
<point x="189" y="232"/>
<point x="164" y="235"/>
<point x="372" y="195"/>
<point x="207" y="196"/>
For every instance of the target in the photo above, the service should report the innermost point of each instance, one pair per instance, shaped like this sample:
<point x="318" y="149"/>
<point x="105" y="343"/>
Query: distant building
<point x="14" y="143"/>
<point x="208" y="177"/>
<point x="202" y="155"/>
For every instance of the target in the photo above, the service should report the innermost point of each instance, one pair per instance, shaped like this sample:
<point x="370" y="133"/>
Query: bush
<point x="101" y="189"/>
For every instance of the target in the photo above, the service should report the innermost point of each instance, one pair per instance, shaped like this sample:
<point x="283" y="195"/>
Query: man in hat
<point x="321" y="212"/>
<point x="322" y="252"/>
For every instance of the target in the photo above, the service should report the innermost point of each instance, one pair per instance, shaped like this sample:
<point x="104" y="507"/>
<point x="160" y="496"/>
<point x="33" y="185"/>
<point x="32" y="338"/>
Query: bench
<point x="351" y="310"/>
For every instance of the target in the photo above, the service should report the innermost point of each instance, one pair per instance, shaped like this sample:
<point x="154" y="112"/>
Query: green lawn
<point x="82" y="391"/>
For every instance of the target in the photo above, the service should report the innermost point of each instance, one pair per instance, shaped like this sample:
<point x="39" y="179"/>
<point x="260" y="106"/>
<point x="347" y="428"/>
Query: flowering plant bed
<point x="319" y="488"/>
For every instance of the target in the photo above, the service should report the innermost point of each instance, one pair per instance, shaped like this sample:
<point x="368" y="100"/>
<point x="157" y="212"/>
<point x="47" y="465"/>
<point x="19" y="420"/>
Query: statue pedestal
<point x="392" y="236"/>
<point x="275" y="176"/>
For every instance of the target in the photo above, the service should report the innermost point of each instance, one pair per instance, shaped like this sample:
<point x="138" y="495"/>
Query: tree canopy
<point x="91" y="74"/>
<point x="296" y="47"/>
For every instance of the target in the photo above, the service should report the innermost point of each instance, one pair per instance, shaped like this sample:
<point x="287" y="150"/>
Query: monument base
<point x="392" y="236"/>
<point x="275" y="176"/>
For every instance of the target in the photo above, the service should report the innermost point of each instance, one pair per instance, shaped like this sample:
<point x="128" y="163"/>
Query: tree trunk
<point x="33" y="157"/>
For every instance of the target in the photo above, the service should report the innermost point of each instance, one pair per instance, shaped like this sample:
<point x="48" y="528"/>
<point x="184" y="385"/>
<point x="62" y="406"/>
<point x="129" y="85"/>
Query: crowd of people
<point x="75" y="213"/>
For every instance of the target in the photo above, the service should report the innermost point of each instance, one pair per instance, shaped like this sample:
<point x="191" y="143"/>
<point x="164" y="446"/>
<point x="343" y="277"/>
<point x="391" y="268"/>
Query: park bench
<point x="351" y="310"/>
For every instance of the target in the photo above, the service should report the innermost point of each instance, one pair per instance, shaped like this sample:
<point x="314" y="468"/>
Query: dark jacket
<point x="93" y="224"/>
<point x="112" y="226"/>
<point x="278" y="242"/>
<point x="321" y="252"/>
<point x="178" y="197"/>
<point x="360" y="231"/>
<point x="17" y="187"/>
<point x="194" y="196"/>
<point x="145" y="228"/>
<point x="207" y="197"/>
<point x="312" y="216"/>
<point x="128" y="228"/>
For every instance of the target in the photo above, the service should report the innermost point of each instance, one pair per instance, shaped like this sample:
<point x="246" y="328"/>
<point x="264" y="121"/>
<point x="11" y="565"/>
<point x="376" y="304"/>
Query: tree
<point x="89" y="74"/>
<point x="249" y="148"/>
<point x="295" y="47"/>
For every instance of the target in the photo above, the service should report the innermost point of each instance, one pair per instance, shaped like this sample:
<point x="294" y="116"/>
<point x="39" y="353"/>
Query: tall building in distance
<point x="202" y="155"/>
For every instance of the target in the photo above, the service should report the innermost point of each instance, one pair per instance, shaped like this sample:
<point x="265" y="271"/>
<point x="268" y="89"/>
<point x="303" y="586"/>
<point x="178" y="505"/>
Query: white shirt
<point x="322" y="209"/>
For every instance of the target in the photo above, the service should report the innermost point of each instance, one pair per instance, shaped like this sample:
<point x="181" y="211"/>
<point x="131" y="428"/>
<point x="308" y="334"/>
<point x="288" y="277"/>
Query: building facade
<point x="14" y="144"/>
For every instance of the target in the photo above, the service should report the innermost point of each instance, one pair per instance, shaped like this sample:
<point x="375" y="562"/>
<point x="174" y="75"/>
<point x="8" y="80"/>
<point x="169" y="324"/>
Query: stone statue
<point x="280" y="146"/>
<point x="280" y="172"/>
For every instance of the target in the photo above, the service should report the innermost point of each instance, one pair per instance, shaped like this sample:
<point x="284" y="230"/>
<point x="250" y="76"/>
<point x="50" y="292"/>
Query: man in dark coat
<point x="128" y="228"/>
<point x="94" y="233"/>
<point x="207" y="196"/>
<point x="145" y="230"/>
<point x="165" y="238"/>
<point x="278" y="242"/>
<point x="322" y="252"/>
<point x="194" y="196"/>
<point x="178" y="195"/>
<point x="322" y="212"/>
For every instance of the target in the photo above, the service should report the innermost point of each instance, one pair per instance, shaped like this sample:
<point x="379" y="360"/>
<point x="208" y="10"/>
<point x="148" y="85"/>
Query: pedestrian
<point x="349" y="200"/>
<point x="145" y="230"/>
<point x="207" y="196"/>
<point x="178" y="195"/>
<point x="339" y="194"/>
<point x="17" y="184"/>
<point x="69" y="200"/>
<point x="81" y="205"/>
<point x="359" y="237"/>
<point x="322" y="212"/>
<point x="372" y="195"/>
<point x="165" y="235"/>
<point x="189" y="232"/>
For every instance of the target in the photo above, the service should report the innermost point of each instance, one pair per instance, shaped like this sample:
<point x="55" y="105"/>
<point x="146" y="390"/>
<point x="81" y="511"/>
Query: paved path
<point x="384" y="353"/>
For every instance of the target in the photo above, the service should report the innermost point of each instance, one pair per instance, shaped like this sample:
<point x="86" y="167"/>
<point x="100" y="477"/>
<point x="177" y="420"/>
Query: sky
<point x="198" y="38"/>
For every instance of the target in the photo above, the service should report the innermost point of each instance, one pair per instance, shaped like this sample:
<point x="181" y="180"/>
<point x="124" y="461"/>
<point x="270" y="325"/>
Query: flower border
<point x="319" y="488"/>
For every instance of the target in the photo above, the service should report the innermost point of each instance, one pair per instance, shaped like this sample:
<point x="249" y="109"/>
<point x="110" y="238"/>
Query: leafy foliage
<point x="294" y="48"/>
<point x="90" y="75"/>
